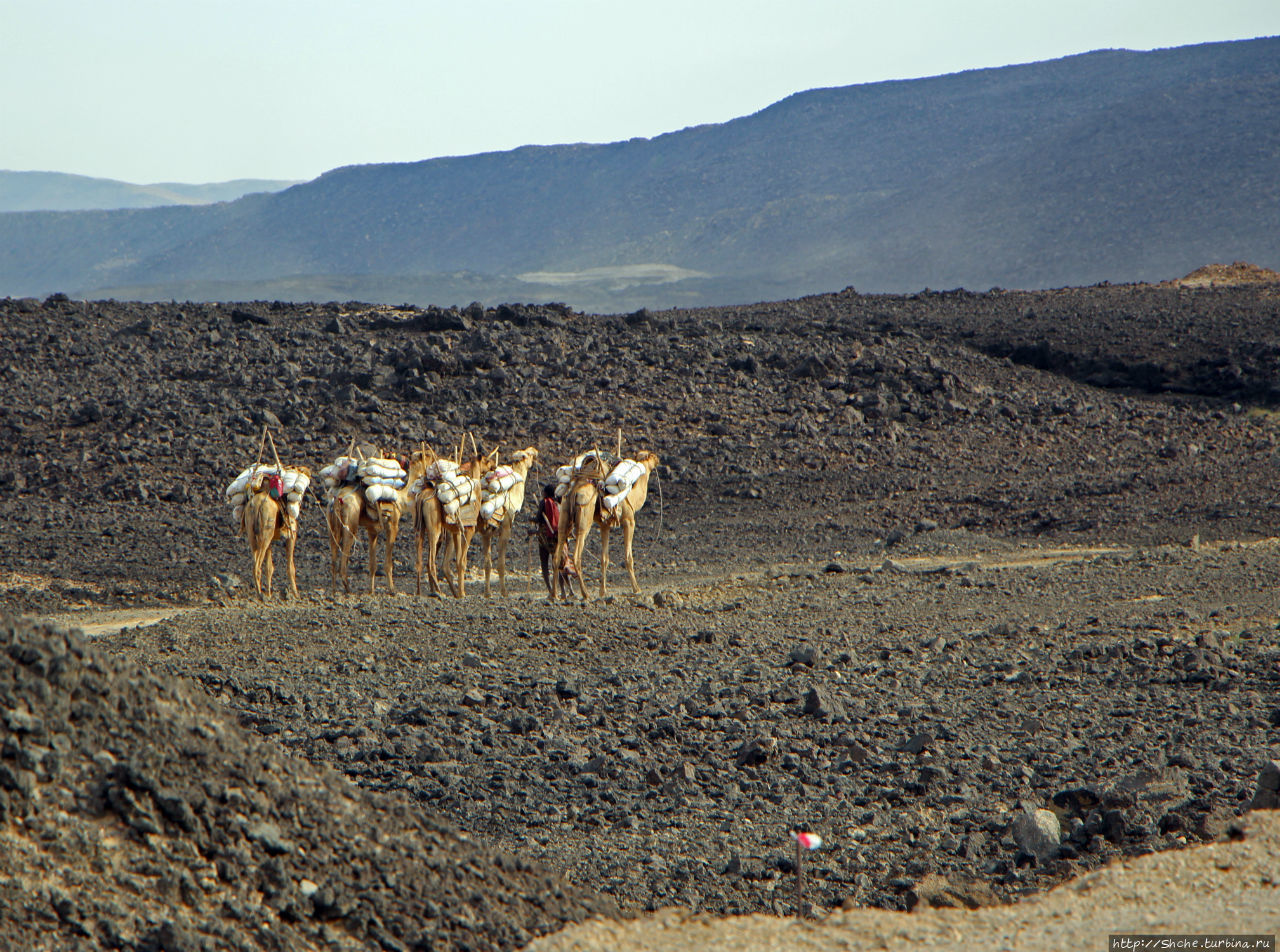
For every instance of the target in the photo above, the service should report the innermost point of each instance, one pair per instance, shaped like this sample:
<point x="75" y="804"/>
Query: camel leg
<point x="270" y="564"/>
<point x="558" y="555"/>
<point x="289" y="544"/>
<point x="257" y="564"/>
<point x="391" y="527"/>
<point x="628" y="537"/>
<point x="455" y="544"/>
<point x="433" y="560"/>
<point x="466" y="550"/>
<point x="333" y="553"/>
<point x="448" y="561"/>
<point x="504" y="536"/>
<point x="461" y="556"/>
<point x="486" y="547"/>
<point x="580" y="544"/>
<point x="604" y="560"/>
<point x="418" y="539"/>
<point x="348" y="540"/>
<point x="373" y="560"/>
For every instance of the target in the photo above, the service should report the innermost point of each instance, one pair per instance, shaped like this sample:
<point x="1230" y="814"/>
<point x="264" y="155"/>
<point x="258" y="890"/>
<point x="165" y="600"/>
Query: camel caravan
<point x="449" y="499"/>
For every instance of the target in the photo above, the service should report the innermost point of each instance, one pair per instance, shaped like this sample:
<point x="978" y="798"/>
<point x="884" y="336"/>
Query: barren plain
<point x="915" y="566"/>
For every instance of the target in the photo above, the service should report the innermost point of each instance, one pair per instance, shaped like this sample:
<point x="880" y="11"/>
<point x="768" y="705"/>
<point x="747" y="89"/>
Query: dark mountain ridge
<point x="1111" y="165"/>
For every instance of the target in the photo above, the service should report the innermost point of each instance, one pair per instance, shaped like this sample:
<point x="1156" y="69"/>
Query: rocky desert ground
<point x="979" y="587"/>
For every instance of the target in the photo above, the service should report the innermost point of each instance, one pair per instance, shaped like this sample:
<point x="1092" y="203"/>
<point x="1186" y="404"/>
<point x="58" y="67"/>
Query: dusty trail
<point x="96" y="623"/>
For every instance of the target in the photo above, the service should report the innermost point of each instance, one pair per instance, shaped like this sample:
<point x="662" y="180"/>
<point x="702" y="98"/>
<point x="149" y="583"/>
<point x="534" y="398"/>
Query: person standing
<point x="546" y="528"/>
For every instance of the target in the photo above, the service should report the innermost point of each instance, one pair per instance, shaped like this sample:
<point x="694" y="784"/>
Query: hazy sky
<point x="209" y="90"/>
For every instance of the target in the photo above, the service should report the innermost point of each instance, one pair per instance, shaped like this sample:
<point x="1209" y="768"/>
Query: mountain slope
<point x="1111" y="165"/>
<point x="61" y="192"/>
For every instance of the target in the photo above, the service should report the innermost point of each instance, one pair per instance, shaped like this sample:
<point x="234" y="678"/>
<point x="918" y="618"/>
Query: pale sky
<point x="210" y="90"/>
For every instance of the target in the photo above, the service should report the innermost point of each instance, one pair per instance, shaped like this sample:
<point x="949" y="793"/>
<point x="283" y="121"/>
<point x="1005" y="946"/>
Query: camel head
<point x="648" y="460"/>
<point x="478" y="464"/>
<point x="523" y="460"/>
<point x="419" y="460"/>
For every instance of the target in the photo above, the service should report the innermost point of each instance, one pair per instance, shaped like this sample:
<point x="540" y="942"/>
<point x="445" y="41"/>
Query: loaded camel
<point x="584" y="505"/>
<point x="350" y="510"/>
<point x="503" y="518"/>
<point x="431" y="520"/>
<point x="265" y="503"/>
<point x="266" y="519"/>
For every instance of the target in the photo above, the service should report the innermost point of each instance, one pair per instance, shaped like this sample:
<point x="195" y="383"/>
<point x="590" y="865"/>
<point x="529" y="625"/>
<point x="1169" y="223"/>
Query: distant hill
<point x="1113" y="165"/>
<point x="60" y="192"/>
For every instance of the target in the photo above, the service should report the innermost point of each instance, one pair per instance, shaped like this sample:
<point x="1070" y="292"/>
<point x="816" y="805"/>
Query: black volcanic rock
<point x="136" y="780"/>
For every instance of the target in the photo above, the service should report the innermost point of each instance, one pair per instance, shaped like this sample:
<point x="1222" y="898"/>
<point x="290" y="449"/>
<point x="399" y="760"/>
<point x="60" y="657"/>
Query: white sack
<point x="440" y="469"/>
<point x="376" y="494"/>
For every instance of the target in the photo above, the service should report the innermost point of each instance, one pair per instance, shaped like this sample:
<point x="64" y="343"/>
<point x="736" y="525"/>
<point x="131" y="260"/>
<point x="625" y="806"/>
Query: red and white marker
<point x="810" y="841"/>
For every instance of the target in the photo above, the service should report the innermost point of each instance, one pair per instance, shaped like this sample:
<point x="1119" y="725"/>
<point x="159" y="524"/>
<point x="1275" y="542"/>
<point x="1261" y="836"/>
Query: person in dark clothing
<point x="546" y="527"/>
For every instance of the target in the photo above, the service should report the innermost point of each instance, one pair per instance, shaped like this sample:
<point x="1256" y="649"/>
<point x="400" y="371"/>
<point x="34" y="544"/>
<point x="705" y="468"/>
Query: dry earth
<point x="1221" y="889"/>
<point x="896" y="589"/>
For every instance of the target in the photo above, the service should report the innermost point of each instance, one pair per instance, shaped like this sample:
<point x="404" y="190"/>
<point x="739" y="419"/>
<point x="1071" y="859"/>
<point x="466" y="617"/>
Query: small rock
<point x="756" y="751"/>
<point x="1077" y="800"/>
<point x="937" y="891"/>
<point x="567" y="688"/>
<point x="227" y="580"/>
<point x="917" y="743"/>
<point x="820" y="702"/>
<point x="668" y="600"/>
<point x="804" y="654"/>
<point x="269" y="837"/>
<point x="857" y="753"/>
<point x="1114" y="825"/>
<point x="1038" y="833"/>
<point x="1267" y="796"/>
<point x="1214" y="825"/>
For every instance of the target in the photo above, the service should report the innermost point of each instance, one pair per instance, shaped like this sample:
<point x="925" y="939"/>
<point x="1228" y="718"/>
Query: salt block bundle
<point x="564" y="476"/>
<point x="381" y="478"/>
<point x="436" y="471"/>
<point x="339" y="473"/>
<point x="294" y="482"/>
<point x="439" y="469"/>
<point x="584" y="463"/>
<point x="495" y="493"/>
<point x="619" y="482"/>
<point x="455" y="490"/>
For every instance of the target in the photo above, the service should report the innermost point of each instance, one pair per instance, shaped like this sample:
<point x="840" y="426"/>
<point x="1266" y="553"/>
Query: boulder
<point x="1038" y="833"/>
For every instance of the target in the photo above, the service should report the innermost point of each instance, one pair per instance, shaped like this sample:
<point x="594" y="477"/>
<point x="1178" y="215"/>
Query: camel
<point x="429" y="522"/>
<point x="505" y="519"/>
<point x="349" y="511"/>
<point x="265" y="521"/>
<point x="582" y="507"/>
